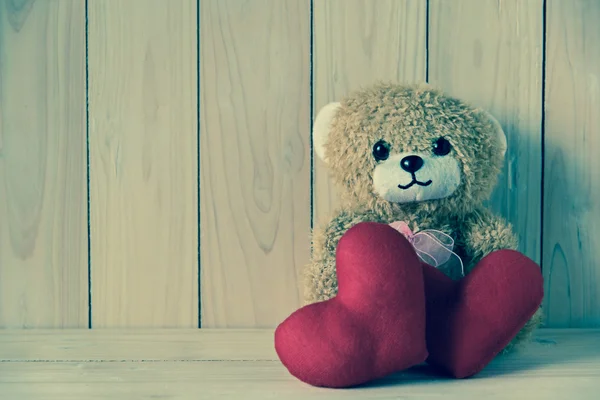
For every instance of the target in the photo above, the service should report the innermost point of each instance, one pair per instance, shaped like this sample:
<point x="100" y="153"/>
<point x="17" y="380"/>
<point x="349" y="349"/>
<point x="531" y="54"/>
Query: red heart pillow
<point x="375" y="325"/>
<point x="470" y="321"/>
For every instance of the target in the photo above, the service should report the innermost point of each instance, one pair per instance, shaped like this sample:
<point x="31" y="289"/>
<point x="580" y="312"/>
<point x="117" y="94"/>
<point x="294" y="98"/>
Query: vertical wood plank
<point x="356" y="43"/>
<point x="43" y="212"/>
<point x="143" y="163"/>
<point x="490" y="53"/>
<point x="571" y="164"/>
<point x="255" y="152"/>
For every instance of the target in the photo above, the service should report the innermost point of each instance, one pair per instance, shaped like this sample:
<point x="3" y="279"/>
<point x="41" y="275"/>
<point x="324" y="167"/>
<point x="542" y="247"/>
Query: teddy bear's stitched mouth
<point x="415" y="182"/>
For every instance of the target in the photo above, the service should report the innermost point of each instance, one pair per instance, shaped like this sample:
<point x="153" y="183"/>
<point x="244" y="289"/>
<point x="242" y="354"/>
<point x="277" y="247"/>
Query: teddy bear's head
<point x="409" y="146"/>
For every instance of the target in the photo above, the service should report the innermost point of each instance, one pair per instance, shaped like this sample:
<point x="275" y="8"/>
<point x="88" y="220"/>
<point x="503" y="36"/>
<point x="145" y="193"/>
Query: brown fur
<point x="410" y="118"/>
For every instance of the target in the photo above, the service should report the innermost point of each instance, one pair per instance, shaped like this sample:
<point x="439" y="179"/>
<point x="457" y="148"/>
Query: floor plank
<point x="269" y="380"/>
<point x="559" y="364"/>
<point x="215" y="344"/>
<point x="136" y="345"/>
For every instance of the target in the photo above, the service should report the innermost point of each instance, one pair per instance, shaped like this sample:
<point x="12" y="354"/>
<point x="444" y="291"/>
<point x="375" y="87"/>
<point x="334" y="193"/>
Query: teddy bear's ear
<point x="499" y="132"/>
<point x="322" y="126"/>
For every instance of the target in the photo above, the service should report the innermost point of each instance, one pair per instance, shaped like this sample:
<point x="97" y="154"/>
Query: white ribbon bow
<point x="432" y="246"/>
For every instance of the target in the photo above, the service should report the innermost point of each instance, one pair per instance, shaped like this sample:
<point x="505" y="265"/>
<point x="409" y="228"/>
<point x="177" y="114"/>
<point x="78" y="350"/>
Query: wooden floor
<point x="242" y="364"/>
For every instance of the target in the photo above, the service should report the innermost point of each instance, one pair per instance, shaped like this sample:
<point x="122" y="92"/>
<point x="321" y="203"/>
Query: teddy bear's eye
<point x="381" y="150"/>
<point x="441" y="147"/>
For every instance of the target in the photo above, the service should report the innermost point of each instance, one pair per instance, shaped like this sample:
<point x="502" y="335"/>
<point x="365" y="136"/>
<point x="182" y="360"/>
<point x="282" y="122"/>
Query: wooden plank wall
<point x="156" y="167"/>
<point x="43" y="206"/>
<point x="255" y="159"/>
<point x="571" y="244"/>
<point x="143" y="162"/>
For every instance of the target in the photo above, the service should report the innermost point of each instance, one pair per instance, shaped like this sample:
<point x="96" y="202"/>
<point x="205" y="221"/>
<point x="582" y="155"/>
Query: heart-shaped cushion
<point x="472" y="320"/>
<point x="375" y="325"/>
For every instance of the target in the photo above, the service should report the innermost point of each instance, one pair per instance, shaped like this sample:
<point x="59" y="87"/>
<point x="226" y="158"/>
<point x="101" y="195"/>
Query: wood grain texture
<point x="43" y="212"/>
<point x="356" y="43"/>
<point x="143" y="163"/>
<point x="572" y="169"/>
<point x="558" y="365"/>
<point x="255" y="152"/>
<point x="490" y="53"/>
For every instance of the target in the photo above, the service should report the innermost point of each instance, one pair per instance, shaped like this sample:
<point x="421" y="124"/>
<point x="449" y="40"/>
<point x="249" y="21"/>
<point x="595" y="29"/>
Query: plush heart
<point x="375" y="325"/>
<point x="470" y="321"/>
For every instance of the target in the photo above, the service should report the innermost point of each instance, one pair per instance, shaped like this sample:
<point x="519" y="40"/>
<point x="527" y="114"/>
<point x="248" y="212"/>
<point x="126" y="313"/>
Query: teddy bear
<point x="409" y="161"/>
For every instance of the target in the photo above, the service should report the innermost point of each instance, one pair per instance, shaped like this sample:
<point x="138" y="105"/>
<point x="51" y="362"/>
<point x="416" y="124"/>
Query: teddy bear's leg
<point x="526" y="333"/>
<point x="320" y="281"/>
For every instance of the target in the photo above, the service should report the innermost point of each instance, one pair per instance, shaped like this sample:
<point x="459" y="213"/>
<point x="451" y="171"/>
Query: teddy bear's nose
<point x="411" y="163"/>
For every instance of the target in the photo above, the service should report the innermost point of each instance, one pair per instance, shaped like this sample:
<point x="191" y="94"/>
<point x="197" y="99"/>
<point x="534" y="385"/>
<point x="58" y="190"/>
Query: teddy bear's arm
<point x="486" y="232"/>
<point x="320" y="279"/>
